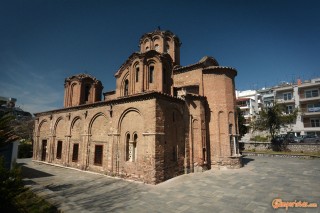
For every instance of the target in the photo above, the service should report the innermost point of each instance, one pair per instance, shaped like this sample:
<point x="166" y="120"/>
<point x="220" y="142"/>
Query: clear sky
<point x="44" y="41"/>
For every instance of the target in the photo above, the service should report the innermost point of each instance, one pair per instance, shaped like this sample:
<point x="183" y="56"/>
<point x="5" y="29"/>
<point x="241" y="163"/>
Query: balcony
<point x="244" y="106"/>
<point x="303" y="98"/>
<point x="309" y="125"/>
<point x="283" y="101"/>
<point x="310" y="111"/>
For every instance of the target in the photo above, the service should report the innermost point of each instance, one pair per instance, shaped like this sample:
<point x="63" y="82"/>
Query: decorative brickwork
<point x="162" y="120"/>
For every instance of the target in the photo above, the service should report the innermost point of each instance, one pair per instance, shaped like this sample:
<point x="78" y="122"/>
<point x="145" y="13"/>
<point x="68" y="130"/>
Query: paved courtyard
<point x="249" y="189"/>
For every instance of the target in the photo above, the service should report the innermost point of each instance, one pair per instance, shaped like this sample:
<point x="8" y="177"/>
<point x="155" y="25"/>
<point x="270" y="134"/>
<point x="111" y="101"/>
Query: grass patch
<point x="260" y="138"/>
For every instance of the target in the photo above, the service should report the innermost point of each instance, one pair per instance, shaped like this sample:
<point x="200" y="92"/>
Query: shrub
<point x="10" y="186"/>
<point x="25" y="150"/>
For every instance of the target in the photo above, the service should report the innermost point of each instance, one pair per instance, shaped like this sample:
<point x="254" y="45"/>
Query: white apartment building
<point x="304" y="96"/>
<point x="249" y="102"/>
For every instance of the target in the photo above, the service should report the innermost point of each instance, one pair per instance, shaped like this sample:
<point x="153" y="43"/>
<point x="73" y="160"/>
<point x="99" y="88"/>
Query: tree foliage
<point x="10" y="186"/>
<point x="7" y="133"/>
<point x="241" y="121"/>
<point x="273" y="118"/>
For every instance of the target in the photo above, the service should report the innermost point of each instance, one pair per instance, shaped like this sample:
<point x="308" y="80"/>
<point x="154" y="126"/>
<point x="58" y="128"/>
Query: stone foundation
<point x="232" y="162"/>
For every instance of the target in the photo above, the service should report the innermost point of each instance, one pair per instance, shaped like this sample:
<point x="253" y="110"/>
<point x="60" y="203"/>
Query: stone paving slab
<point x="249" y="189"/>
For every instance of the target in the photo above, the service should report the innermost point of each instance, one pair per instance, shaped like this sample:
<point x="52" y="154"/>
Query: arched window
<point x="230" y="129"/>
<point x="137" y="73"/>
<point x="151" y="74"/>
<point x="156" y="47"/>
<point x="164" y="76"/>
<point x="134" y="148"/>
<point x="126" y="87"/>
<point x="127" y="147"/>
<point x="86" y="93"/>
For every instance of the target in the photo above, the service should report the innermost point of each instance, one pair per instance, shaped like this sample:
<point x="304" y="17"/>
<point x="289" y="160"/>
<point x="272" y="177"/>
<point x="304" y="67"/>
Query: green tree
<point x="241" y="121"/>
<point x="273" y="118"/>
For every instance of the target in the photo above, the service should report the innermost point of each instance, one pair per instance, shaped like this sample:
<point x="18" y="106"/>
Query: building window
<point x="127" y="147"/>
<point x="230" y="129"/>
<point x="59" y="149"/>
<point x="175" y="155"/>
<point x="289" y="109"/>
<point x="315" y="122"/>
<point x="312" y="93"/>
<point x="156" y="47"/>
<point x="151" y="74"/>
<point x="86" y="93"/>
<point x="134" y="147"/>
<point x="287" y="96"/>
<point x="314" y="107"/>
<point x="98" y="151"/>
<point x="75" y="152"/>
<point x="164" y="76"/>
<point x="137" y="73"/>
<point x="126" y="87"/>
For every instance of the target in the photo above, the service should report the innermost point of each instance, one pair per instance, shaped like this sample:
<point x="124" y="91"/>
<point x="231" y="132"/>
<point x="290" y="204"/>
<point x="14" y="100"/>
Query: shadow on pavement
<point x="33" y="173"/>
<point x="61" y="187"/>
<point x="246" y="161"/>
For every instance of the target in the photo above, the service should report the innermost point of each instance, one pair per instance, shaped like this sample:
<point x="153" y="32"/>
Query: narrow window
<point x="164" y="77"/>
<point x="175" y="151"/>
<point x="156" y="47"/>
<point x="98" y="155"/>
<point x="75" y="152"/>
<point x="86" y="93"/>
<point x="127" y="147"/>
<point x="134" y="147"/>
<point x="230" y="129"/>
<point x="126" y="87"/>
<point x="137" y="74"/>
<point x="59" y="149"/>
<point x="151" y="73"/>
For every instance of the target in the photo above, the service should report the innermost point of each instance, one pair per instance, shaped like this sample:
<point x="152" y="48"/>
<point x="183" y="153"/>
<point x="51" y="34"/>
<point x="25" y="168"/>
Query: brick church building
<point x="161" y="121"/>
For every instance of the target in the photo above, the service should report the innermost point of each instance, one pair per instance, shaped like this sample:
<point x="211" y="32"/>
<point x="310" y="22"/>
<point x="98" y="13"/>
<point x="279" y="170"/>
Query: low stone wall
<point x="312" y="147"/>
<point x="294" y="147"/>
<point x="255" y="146"/>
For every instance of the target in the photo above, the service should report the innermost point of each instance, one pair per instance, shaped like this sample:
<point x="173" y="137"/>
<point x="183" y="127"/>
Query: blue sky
<point x="44" y="41"/>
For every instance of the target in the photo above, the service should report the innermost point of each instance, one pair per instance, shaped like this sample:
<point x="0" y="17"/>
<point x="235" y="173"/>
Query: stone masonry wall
<point x="265" y="146"/>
